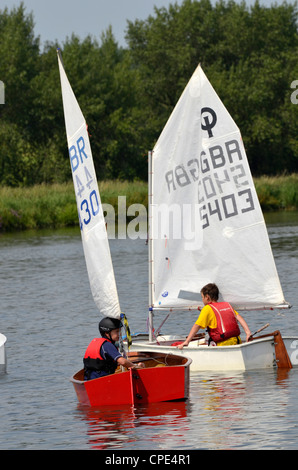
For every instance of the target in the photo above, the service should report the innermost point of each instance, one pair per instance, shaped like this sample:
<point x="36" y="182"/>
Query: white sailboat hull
<point x="257" y="354"/>
<point x="2" y="353"/>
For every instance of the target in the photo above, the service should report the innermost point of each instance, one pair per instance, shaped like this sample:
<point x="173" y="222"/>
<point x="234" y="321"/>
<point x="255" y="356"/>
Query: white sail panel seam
<point x="77" y="131"/>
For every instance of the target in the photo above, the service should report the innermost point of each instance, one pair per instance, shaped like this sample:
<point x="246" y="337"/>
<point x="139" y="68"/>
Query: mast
<point x="150" y="242"/>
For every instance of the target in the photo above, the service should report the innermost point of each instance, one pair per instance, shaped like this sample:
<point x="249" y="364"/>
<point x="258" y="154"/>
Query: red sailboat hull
<point x="164" y="378"/>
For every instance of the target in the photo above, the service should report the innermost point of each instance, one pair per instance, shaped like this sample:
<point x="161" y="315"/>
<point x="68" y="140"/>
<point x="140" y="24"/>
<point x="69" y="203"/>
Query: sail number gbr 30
<point x="225" y="186"/>
<point x="85" y="183"/>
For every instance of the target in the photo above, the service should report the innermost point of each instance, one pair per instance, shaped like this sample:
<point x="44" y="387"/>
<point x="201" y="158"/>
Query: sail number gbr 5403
<point x="85" y="183"/>
<point x="224" y="186"/>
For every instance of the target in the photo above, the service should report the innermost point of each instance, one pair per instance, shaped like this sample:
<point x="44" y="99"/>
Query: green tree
<point x="18" y="66"/>
<point x="248" y="55"/>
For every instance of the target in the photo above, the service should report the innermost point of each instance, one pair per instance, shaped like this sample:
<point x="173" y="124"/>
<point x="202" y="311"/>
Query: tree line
<point x="127" y="93"/>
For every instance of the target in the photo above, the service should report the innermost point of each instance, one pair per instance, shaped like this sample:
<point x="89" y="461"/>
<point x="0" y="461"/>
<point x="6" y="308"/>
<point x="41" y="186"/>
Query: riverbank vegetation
<point x="249" y="54"/>
<point x="54" y="206"/>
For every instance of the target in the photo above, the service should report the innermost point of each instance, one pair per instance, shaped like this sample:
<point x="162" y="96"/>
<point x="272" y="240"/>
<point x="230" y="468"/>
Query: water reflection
<point x="246" y="410"/>
<point x="112" y="427"/>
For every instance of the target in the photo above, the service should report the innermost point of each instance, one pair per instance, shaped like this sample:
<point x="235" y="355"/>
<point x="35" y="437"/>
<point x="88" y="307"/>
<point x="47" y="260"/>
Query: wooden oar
<point x="260" y="329"/>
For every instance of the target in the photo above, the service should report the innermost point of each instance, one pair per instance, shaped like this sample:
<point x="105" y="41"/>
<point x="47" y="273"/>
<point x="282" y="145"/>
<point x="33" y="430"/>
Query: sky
<point x="57" y="19"/>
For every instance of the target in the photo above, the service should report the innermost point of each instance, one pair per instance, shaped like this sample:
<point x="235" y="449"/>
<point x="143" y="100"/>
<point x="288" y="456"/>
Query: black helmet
<point x="108" y="324"/>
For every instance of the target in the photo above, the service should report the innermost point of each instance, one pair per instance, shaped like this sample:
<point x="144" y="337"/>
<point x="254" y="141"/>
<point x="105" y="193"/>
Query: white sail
<point x="92" y="223"/>
<point x="207" y="224"/>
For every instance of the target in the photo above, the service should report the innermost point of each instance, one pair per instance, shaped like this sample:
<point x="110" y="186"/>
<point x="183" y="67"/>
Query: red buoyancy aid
<point x="93" y="359"/>
<point x="227" y="325"/>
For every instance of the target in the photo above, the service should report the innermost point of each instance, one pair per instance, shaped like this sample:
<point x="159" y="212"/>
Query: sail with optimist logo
<point x="91" y="218"/>
<point x="205" y="220"/>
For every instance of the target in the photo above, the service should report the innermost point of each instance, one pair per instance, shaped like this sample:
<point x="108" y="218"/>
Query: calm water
<point x="49" y="317"/>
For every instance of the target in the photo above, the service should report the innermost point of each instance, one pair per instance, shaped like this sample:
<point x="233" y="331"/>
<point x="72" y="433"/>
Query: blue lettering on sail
<point x="76" y="154"/>
<point x="81" y="147"/>
<point x="89" y="208"/>
<point x="88" y="200"/>
<point x="74" y="161"/>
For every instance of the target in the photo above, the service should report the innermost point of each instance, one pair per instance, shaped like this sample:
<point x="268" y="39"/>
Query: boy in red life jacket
<point x="102" y="357"/>
<point x="220" y="320"/>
